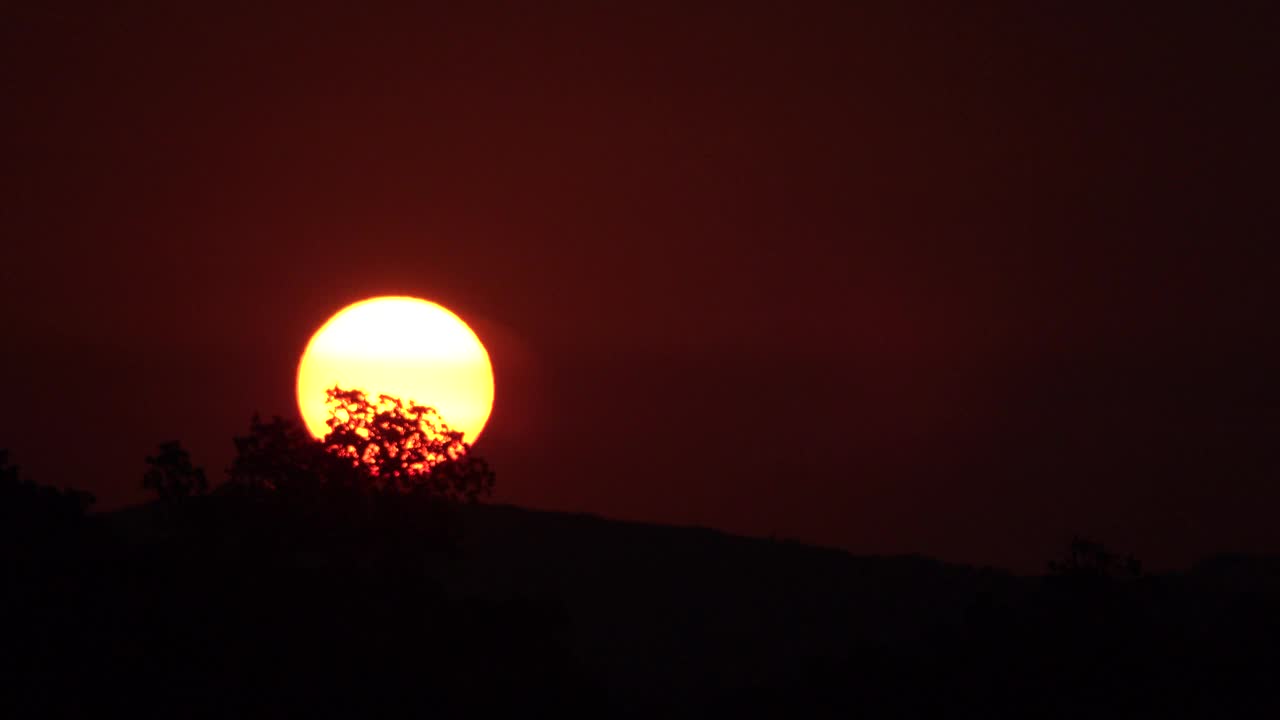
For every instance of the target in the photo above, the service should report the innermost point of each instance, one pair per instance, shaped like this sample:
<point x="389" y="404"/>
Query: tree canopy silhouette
<point x="171" y="475"/>
<point x="279" y="454"/>
<point x="383" y="444"/>
<point x="404" y="446"/>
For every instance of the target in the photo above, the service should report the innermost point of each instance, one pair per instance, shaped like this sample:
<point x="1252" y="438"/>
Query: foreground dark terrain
<point x="327" y="604"/>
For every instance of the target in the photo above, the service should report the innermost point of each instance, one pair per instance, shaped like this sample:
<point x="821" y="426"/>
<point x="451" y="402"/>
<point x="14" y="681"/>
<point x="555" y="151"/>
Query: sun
<point x="405" y="347"/>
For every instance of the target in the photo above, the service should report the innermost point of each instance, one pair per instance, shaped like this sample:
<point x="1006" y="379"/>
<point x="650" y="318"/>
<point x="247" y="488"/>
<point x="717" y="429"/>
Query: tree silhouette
<point x="172" y="476"/>
<point x="1090" y="559"/>
<point x="372" y="445"/>
<point x="279" y="454"/>
<point x="404" y="446"/>
<point x="8" y="473"/>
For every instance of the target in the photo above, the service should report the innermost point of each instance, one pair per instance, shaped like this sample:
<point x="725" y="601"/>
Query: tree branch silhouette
<point x="404" y="447"/>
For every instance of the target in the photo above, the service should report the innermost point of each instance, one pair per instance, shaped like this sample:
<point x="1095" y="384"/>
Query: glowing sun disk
<point x="405" y="347"/>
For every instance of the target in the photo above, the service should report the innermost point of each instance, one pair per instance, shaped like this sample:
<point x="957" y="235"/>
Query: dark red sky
<point x="929" y="279"/>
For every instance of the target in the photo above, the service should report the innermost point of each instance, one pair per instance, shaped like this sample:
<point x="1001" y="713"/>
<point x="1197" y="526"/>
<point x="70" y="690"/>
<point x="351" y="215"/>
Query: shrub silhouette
<point x="404" y="447"/>
<point x="172" y="476"/>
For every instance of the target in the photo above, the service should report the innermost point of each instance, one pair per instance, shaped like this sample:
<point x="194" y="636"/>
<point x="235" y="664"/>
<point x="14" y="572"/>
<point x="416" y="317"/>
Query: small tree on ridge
<point x="171" y="475"/>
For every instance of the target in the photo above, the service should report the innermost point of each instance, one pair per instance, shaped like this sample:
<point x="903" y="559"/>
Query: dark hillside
<point x="234" y="605"/>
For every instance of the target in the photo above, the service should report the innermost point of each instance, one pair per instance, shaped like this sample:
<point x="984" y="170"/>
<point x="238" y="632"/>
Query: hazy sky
<point x="928" y="279"/>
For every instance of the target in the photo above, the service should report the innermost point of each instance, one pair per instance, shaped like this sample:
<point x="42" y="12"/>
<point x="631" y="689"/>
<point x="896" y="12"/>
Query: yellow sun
<point x="408" y="348"/>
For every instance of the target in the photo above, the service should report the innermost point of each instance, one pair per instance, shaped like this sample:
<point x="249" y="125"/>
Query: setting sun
<point x="405" y="347"/>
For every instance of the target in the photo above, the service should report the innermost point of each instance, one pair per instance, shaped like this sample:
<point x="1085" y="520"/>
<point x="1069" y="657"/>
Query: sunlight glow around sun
<point x="401" y="346"/>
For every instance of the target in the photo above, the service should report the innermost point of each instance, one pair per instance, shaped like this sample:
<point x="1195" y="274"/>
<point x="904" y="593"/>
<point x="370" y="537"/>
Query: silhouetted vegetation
<point x="279" y="455"/>
<point x="1089" y="559"/>
<point x="383" y="445"/>
<point x="171" y="476"/>
<point x="30" y="510"/>
<point x="307" y="584"/>
<point x="404" y="446"/>
<point x="302" y="584"/>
